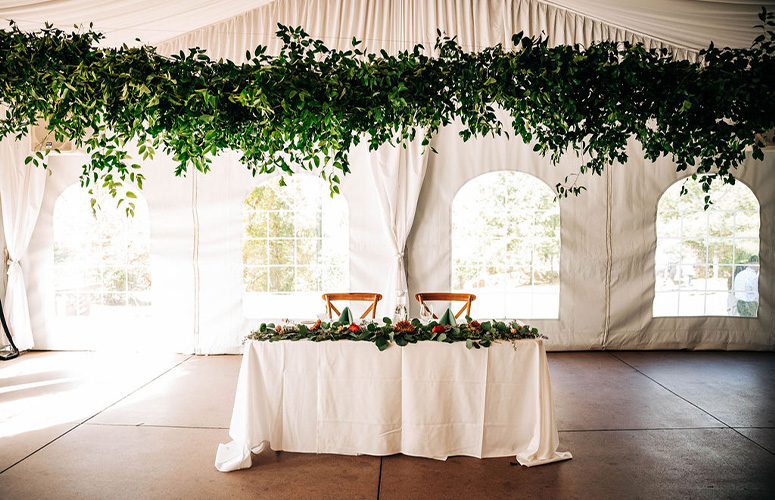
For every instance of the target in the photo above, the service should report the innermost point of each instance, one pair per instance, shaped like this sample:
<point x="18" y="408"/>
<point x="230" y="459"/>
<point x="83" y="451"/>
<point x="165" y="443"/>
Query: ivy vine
<point x="308" y="106"/>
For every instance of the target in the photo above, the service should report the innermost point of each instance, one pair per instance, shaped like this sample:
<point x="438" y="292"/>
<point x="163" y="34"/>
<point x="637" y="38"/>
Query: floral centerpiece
<point x="472" y="332"/>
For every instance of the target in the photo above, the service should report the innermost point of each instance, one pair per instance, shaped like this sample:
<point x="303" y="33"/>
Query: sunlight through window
<point x="295" y="247"/>
<point x="101" y="261"/>
<point x="706" y="262"/>
<point x="506" y="246"/>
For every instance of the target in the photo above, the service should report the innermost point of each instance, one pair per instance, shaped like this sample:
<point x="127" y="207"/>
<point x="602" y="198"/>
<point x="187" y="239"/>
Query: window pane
<point x="694" y="270"/>
<point x="280" y="225"/>
<point x="305" y="251"/>
<point x="281" y="279"/>
<point x="255" y="279"/>
<point x="519" y="255"/>
<point x="98" y="257"/>
<point x="254" y="252"/>
<point x="254" y="224"/>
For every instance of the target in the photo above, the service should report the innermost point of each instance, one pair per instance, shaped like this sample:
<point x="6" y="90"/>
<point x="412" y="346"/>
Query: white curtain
<point x="21" y="193"/>
<point x="398" y="175"/>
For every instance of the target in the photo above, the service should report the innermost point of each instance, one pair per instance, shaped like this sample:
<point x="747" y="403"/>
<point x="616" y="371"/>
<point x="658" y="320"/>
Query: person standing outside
<point x="747" y="288"/>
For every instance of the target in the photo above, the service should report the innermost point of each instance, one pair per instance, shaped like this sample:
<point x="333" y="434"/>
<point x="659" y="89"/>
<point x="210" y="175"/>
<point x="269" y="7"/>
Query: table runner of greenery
<point x="472" y="332"/>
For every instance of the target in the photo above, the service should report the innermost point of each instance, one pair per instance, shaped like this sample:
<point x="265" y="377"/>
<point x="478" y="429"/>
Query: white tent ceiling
<point x="122" y="21"/>
<point x="690" y="24"/>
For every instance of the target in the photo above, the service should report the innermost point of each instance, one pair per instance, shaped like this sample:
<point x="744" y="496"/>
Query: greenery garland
<point x="306" y="107"/>
<point x="473" y="333"/>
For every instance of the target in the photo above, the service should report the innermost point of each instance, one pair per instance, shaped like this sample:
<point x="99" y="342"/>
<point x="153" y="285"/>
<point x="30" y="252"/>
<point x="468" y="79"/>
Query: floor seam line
<point x="99" y="412"/>
<point x="379" y="481"/>
<point x="693" y="404"/>
<point x="161" y="426"/>
<point x="646" y="429"/>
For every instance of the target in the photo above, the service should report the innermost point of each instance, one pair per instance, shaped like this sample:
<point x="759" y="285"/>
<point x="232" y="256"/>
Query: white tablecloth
<point x="428" y="399"/>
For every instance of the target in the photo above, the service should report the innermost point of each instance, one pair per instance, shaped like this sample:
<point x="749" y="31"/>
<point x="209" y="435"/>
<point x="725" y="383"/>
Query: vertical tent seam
<point x="609" y="257"/>
<point x="195" y="255"/>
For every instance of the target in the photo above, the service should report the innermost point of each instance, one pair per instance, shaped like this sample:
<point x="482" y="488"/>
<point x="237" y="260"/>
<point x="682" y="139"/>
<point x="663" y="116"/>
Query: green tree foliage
<point x="716" y="239"/>
<point x="306" y="107"/>
<point x="521" y="220"/>
<point x="294" y="237"/>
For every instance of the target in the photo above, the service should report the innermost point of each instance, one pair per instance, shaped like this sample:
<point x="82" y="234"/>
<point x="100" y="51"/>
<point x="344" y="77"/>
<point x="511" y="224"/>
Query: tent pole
<point x="14" y="351"/>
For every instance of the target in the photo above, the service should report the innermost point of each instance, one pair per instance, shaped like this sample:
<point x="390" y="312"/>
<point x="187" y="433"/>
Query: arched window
<point x="506" y="246"/>
<point x="701" y="254"/>
<point x="295" y="247"/>
<point x="102" y="262"/>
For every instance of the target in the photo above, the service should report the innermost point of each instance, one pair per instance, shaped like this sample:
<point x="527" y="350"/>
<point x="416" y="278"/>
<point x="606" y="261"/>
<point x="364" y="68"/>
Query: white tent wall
<point x="582" y="258"/>
<point x="635" y="192"/>
<point x="196" y="258"/>
<point x="594" y="312"/>
<point x="602" y="227"/>
<point x="171" y="230"/>
<point x="608" y="232"/>
<point x="221" y="193"/>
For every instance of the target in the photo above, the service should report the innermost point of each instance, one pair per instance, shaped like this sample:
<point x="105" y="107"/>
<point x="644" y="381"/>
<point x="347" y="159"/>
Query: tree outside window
<point x="700" y="253"/>
<point x="506" y="246"/>
<point x="295" y="247"/>
<point x="101" y="259"/>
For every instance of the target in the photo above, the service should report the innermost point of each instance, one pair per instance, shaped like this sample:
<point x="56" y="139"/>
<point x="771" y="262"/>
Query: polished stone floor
<point x="644" y="425"/>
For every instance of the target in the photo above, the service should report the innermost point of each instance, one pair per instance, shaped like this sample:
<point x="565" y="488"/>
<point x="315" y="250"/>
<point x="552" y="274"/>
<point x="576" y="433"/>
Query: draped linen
<point x="398" y="176"/>
<point x="428" y="399"/>
<point x="682" y="26"/>
<point x="689" y="24"/>
<point x="21" y="194"/>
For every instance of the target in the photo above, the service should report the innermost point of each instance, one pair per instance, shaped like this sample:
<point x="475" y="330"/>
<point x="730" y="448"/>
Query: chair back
<point x="447" y="296"/>
<point x="363" y="297"/>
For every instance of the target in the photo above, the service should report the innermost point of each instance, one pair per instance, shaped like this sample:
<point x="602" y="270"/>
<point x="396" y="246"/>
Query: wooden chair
<point x="447" y="296"/>
<point x="368" y="297"/>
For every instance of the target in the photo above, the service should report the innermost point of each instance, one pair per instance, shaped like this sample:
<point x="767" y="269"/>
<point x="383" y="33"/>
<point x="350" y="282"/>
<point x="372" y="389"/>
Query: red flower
<point x="438" y="328"/>
<point x="316" y="325"/>
<point x="353" y="327"/>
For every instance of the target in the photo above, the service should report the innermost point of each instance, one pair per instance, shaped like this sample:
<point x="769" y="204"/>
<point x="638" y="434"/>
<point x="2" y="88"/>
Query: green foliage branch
<point x="476" y="335"/>
<point x="308" y="106"/>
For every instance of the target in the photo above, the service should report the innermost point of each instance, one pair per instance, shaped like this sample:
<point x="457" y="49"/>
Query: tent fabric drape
<point x="21" y="194"/>
<point x="684" y="27"/>
<point x="683" y="24"/>
<point x="398" y="176"/>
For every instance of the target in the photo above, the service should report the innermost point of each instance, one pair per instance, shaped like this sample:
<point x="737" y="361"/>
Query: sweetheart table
<point x="429" y="399"/>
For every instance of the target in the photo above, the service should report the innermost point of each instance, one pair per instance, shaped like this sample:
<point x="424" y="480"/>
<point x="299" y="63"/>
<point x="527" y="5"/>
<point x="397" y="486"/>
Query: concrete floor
<point x="639" y="424"/>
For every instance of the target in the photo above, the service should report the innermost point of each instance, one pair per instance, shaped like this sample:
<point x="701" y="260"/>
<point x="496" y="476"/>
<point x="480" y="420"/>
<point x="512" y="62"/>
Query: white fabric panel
<point x="634" y="199"/>
<point x="398" y="176"/>
<point x="427" y="399"/>
<point x="170" y="325"/>
<point x="395" y="25"/>
<point x="582" y="221"/>
<point x="21" y="193"/>
<point x="3" y="259"/>
<point x="687" y="23"/>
